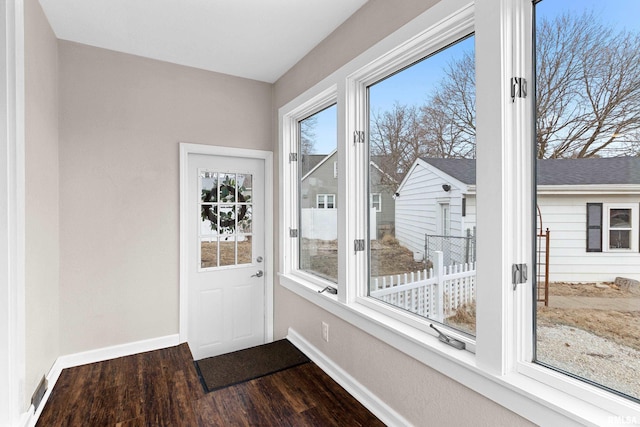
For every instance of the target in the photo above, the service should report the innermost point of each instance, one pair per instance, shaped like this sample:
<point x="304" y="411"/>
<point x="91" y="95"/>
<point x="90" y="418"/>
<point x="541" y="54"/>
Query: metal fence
<point x="455" y="249"/>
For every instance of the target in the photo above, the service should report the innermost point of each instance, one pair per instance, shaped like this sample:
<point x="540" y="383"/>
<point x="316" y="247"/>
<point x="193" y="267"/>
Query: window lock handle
<point x="460" y="345"/>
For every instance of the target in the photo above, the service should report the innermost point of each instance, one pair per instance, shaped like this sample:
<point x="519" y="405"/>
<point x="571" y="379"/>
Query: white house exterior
<point x="443" y="213"/>
<point x="581" y="244"/>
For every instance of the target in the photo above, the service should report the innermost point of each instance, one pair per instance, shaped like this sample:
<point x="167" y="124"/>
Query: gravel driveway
<point x="590" y="356"/>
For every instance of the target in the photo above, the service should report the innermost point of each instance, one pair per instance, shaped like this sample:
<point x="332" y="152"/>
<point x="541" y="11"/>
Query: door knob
<point x="260" y="273"/>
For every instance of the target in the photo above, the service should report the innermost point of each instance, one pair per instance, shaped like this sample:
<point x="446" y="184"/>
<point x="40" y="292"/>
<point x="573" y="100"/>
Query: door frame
<point x="187" y="149"/>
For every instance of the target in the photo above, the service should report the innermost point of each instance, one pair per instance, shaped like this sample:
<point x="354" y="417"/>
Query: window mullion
<point x="503" y="179"/>
<point x="356" y="116"/>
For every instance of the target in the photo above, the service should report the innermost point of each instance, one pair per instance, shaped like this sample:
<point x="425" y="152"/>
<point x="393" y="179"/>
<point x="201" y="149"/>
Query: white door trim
<point x="185" y="150"/>
<point x="12" y="228"/>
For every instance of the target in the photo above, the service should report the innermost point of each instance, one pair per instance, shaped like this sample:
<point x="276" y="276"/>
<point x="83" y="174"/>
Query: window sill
<point x="516" y="391"/>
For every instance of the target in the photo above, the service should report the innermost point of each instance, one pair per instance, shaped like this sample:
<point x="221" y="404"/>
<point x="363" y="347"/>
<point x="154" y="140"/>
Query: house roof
<point x="311" y="161"/>
<point x="593" y="171"/>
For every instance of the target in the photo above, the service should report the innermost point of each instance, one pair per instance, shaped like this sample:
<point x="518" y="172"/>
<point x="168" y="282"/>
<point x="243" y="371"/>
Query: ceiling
<point x="255" y="39"/>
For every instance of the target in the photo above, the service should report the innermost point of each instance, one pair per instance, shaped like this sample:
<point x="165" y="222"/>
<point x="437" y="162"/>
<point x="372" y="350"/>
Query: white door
<point x="225" y="254"/>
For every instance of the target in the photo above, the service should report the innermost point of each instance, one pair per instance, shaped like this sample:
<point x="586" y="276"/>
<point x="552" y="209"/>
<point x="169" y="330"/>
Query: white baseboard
<point x="378" y="407"/>
<point x="93" y="356"/>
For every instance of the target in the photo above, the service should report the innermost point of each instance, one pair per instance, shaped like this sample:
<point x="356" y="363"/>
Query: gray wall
<point x="420" y="394"/>
<point x="42" y="197"/>
<point x="121" y="119"/>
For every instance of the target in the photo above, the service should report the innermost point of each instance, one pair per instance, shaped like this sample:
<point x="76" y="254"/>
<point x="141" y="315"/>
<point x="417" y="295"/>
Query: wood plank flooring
<point x="161" y="388"/>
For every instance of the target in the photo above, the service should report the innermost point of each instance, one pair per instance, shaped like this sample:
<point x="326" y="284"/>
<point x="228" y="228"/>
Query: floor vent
<point x="39" y="393"/>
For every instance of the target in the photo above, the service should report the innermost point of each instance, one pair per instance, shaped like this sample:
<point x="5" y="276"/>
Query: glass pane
<point x="620" y="218"/>
<point x="244" y="219"/>
<point x="209" y="185"/>
<point x="318" y="241"/>
<point x="588" y="147"/>
<point x="245" y="188"/>
<point x="208" y="254"/>
<point x="227" y="218"/>
<point x="620" y="239"/>
<point x="422" y="165"/>
<point x="244" y="250"/>
<point x="227" y="188"/>
<point x="209" y="223"/>
<point x="227" y="251"/>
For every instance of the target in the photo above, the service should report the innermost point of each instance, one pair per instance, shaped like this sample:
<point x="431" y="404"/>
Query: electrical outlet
<point x="325" y="331"/>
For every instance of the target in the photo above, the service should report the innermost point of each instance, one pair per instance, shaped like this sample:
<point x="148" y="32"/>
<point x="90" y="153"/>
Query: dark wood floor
<point x="161" y="388"/>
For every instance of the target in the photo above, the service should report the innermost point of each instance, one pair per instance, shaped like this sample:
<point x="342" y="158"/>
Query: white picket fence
<point x="435" y="293"/>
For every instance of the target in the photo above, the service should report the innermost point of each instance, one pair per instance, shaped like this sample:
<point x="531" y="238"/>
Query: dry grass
<point x="587" y="290"/>
<point x="464" y="318"/>
<point x="387" y="258"/>
<point x="622" y="327"/>
<point x="209" y="253"/>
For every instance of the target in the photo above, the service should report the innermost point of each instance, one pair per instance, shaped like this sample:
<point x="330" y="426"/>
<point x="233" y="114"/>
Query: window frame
<point x="376" y="205"/>
<point x="500" y="364"/>
<point x="633" y="230"/>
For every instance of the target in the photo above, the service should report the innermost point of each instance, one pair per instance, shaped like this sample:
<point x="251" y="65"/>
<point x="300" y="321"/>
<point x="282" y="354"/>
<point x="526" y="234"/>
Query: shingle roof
<point x="592" y="171"/>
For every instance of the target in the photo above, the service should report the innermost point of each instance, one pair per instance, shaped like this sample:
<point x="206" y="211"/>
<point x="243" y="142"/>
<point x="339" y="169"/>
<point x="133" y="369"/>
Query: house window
<point x="620" y="228"/>
<point x="318" y="237"/>
<point x="612" y="227"/>
<point x="326" y="201"/>
<point x="445" y="219"/>
<point x="415" y="141"/>
<point x="587" y="158"/>
<point x="376" y="202"/>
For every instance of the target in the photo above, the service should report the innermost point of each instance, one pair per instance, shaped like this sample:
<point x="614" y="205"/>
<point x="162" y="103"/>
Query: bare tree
<point x="308" y="135"/>
<point x="396" y="139"/>
<point x="587" y="99"/>
<point x="588" y="89"/>
<point x="448" y="116"/>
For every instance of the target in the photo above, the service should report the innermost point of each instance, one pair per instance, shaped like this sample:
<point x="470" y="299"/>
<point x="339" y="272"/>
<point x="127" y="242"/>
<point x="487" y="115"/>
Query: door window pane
<point x="225" y="213"/>
<point x="588" y="149"/>
<point x="318" y="237"/>
<point x="422" y="167"/>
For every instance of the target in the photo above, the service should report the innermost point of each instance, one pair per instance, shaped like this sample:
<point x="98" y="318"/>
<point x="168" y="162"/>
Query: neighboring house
<point x="590" y="206"/>
<point x="318" y="190"/>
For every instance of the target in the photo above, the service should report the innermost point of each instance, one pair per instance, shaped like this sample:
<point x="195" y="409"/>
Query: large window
<point x="318" y="235"/>
<point x="452" y="104"/>
<point x="422" y="144"/>
<point x="588" y="157"/>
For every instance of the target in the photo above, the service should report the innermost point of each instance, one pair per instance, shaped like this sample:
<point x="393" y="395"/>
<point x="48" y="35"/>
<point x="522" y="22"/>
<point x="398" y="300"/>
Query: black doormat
<point x="245" y="365"/>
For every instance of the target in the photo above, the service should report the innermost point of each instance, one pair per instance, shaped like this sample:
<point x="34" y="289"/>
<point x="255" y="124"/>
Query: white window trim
<point x="606" y="226"/>
<point x="501" y="369"/>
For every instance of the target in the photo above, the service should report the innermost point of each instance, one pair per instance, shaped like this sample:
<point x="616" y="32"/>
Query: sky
<point x="413" y="85"/>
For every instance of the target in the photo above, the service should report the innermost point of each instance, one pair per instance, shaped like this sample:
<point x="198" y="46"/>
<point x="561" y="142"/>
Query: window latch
<point x="460" y="345"/>
<point x="518" y="88"/>
<point x="329" y="289"/>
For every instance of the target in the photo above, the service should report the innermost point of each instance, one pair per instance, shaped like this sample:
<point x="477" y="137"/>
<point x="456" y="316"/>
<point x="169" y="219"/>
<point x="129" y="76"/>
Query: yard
<point x="617" y="320"/>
